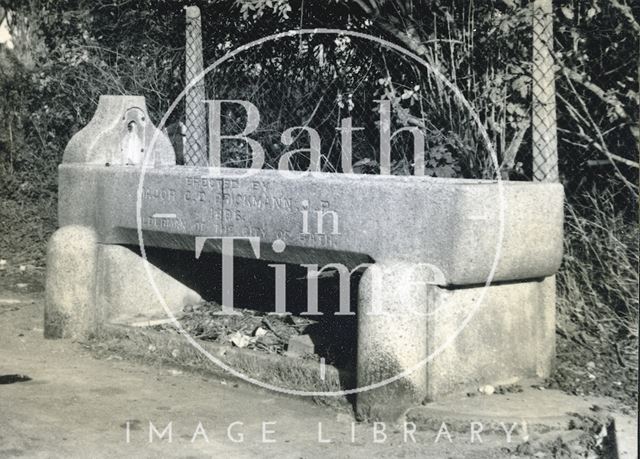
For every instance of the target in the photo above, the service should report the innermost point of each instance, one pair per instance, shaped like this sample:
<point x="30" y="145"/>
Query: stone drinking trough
<point x="426" y="318"/>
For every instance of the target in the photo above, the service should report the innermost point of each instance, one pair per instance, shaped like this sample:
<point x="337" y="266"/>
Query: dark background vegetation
<point x="66" y="53"/>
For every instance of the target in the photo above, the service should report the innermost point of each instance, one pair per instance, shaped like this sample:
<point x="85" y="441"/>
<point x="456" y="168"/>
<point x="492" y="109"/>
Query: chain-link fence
<point x="316" y="81"/>
<point x="544" y="155"/>
<point x="194" y="149"/>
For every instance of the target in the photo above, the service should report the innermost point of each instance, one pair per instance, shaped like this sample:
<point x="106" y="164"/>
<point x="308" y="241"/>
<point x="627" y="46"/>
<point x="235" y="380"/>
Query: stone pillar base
<point x="89" y="284"/>
<point x="125" y="292"/>
<point x="392" y="339"/>
<point x="70" y="285"/>
<point x="443" y="341"/>
<point x="506" y="338"/>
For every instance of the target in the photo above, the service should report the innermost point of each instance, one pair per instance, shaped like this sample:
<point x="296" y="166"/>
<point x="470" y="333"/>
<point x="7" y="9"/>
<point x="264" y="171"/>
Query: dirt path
<point x="77" y="406"/>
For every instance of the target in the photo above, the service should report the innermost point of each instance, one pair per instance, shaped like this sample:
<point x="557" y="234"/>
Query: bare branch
<point x="609" y="99"/>
<point x="509" y="156"/>
<point x="578" y="118"/>
<point x="625" y="10"/>
<point x="603" y="144"/>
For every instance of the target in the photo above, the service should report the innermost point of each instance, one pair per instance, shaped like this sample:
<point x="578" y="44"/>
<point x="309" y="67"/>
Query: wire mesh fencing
<point x="319" y="96"/>
<point x="194" y="149"/>
<point x="544" y="154"/>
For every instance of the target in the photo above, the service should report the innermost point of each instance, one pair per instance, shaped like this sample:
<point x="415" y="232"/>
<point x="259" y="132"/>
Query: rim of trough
<point x="459" y="97"/>
<point x="233" y="172"/>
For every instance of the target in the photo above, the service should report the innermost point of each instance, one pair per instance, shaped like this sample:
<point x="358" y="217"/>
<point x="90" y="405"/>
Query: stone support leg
<point x="70" y="310"/>
<point x="126" y="293"/>
<point x="392" y="338"/>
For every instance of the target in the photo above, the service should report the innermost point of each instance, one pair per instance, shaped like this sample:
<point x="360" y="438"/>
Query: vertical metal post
<point x="543" y="117"/>
<point x="195" y="147"/>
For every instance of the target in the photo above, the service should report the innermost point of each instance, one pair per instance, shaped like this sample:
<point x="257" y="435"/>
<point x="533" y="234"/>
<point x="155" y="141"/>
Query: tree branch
<point x="608" y="99"/>
<point x="625" y="10"/>
<point x="577" y="117"/>
<point x="603" y="144"/>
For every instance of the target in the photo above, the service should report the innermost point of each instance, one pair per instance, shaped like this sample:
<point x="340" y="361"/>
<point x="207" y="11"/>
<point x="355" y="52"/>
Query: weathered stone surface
<point x="125" y="290"/>
<point x="506" y="338"/>
<point x="70" y="284"/>
<point x="452" y="225"/>
<point x="392" y="339"/>
<point x="434" y="242"/>
<point x="120" y="132"/>
<point x="626" y="436"/>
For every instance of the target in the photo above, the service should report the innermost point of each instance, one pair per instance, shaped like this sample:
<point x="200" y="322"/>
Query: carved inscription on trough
<point x="238" y="207"/>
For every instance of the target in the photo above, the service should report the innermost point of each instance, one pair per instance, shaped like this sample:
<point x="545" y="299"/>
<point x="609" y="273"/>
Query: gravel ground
<point x="584" y="365"/>
<point x="581" y="369"/>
